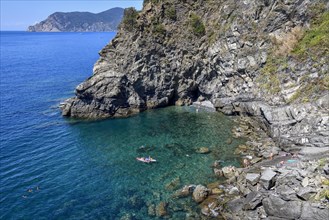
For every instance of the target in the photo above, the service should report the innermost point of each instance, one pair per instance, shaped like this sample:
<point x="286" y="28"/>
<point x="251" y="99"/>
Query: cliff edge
<point x="267" y="59"/>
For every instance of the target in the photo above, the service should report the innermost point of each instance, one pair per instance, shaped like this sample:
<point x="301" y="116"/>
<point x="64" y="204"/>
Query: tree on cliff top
<point x="130" y="19"/>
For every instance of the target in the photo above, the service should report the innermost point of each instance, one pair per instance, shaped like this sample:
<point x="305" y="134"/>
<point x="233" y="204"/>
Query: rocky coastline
<point x="272" y="184"/>
<point x="245" y="58"/>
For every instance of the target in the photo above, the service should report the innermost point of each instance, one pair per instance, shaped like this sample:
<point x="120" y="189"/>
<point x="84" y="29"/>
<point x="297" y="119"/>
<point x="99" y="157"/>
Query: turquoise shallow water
<point x="57" y="168"/>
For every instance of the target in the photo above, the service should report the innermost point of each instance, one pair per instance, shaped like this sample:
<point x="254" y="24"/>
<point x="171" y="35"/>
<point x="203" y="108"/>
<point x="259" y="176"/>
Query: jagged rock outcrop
<point x="227" y="52"/>
<point x="80" y="22"/>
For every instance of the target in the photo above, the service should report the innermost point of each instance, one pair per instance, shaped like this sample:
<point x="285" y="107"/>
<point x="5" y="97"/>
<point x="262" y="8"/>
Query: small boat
<point x="146" y="159"/>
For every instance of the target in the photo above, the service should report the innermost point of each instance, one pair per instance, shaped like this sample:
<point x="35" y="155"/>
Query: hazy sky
<point x="19" y="14"/>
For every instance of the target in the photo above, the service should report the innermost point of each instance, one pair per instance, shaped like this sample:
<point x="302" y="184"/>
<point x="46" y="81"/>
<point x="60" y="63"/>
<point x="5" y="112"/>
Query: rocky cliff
<point x="80" y="22"/>
<point x="264" y="58"/>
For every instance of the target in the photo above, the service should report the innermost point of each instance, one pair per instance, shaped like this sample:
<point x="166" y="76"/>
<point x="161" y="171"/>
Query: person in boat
<point x="148" y="159"/>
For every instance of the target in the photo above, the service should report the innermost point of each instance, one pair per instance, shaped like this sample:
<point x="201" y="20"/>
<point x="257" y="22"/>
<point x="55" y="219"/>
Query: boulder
<point x="184" y="192"/>
<point x="218" y="172"/>
<point x="276" y="207"/>
<point x="200" y="193"/>
<point x="213" y="185"/>
<point x="252" y="178"/>
<point x="217" y="164"/>
<point x="228" y="171"/>
<point x="210" y="207"/>
<point x="305" y="193"/>
<point x="305" y="182"/>
<point x="252" y="200"/>
<point x="205" y="105"/>
<point x="286" y="192"/>
<point x="234" y="191"/>
<point x="314" y="213"/>
<point x="267" y="178"/>
<point x="235" y="205"/>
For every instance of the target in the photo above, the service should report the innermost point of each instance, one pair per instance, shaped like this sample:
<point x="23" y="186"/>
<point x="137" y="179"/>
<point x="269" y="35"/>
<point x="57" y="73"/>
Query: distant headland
<point x="80" y="22"/>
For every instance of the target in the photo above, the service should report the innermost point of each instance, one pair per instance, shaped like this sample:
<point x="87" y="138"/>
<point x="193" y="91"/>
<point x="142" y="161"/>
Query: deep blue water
<point x="57" y="168"/>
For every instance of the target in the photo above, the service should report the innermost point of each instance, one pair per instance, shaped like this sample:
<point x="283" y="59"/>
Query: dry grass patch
<point x="286" y="42"/>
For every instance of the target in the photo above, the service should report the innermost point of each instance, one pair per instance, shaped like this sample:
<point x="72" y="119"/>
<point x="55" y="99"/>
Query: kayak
<point x="145" y="160"/>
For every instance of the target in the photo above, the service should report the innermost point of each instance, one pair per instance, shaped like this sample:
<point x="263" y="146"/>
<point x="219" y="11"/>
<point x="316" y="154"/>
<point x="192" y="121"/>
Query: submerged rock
<point x="173" y="184"/>
<point x="161" y="209"/>
<point x="200" y="193"/>
<point x="203" y="150"/>
<point x="184" y="192"/>
<point x="151" y="210"/>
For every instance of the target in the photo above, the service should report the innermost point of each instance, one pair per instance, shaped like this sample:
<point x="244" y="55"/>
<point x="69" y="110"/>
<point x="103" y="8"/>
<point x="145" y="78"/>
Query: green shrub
<point x="315" y="41"/>
<point x="159" y="29"/>
<point x="269" y="78"/>
<point x="198" y="27"/>
<point x="171" y="13"/>
<point x="130" y="19"/>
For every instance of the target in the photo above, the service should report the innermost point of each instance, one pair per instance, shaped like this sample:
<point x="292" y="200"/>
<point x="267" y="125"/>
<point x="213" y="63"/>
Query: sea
<point x="53" y="167"/>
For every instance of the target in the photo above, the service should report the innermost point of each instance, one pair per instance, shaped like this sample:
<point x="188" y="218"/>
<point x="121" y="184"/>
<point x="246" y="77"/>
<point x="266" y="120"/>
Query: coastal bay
<point x="54" y="167"/>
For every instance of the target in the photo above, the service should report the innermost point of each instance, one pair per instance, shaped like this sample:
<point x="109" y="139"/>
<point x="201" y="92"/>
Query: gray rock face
<point x="306" y="192"/>
<point x="287" y="193"/>
<point x="146" y="68"/>
<point x="143" y="69"/>
<point x="235" y="205"/>
<point x="267" y="178"/>
<point x="252" y="178"/>
<point x="292" y="126"/>
<point x="314" y="151"/>
<point x="310" y="212"/>
<point x="277" y="207"/>
<point x="252" y="200"/>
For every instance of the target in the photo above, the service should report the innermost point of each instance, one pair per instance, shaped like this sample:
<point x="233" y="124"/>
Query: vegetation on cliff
<point x="176" y="52"/>
<point x="197" y="25"/>
<point x="308" y="47"/>
<point x="315" y="41"/>
<point x="130" y="19"/>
